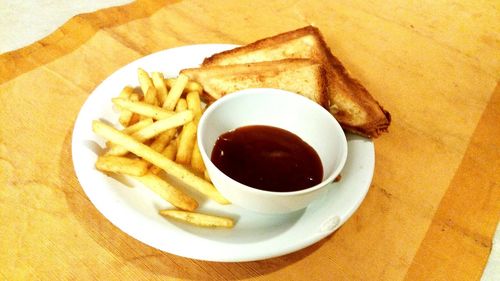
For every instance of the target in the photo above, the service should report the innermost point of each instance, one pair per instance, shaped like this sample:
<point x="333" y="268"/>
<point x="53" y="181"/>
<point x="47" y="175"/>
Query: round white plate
<point x="255" y="236"/>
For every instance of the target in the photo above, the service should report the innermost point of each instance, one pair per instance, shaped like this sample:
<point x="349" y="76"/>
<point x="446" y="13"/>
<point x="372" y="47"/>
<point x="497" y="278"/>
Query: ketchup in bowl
<point x="267" y="158"/>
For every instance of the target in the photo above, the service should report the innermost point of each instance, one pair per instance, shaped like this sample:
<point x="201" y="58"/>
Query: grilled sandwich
<point x="302" y="76"/>
<point x="351" y="104"/>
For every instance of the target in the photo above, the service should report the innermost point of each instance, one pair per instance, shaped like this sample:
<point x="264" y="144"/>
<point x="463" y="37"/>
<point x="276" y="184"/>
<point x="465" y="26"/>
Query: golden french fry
<point x="137" y="126"/>
<point x="121" y="165"/>
<point x="176" y="120"/>
<point x="126" y="92"/>
<point x="143" y="108"/>
<point x="175" y="92"/>
<point x="194" y="104"/>
<point x="144" y="80"/>
<point x="161" y="88"/>
<point x="147" y="87"/>
<point x="170" y="82"/>
<point x="168" y="192"/>
<point x="186" y="144"/>
<point x="156" y="158"/>
<point x="170" y="151"/>
<point x="156" y="128"/>
<point x="158" y="145"/>
<point x="162" y="140"/>
<point x="191" y="86"/>
<point x="133" y="128"/>
<point x="135" y="97"/>
<point x="196" y="160"/>
<point x="150" y="96"/>
<point x="125" y="115"/>
<point x="181" y="105"/>
<point x="198" y="219"/>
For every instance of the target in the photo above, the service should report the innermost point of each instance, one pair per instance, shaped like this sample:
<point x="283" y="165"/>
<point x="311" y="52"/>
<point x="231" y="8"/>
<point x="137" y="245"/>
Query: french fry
<point x="175" y="92"/>
<point x="161" y="88"/>
<point x="196" y="160"/>
<point x="121" y="165"/>
<point x="162" y="140"/>
<point x="170" y="151"/>
<point x="143" y="108"/>
<point x="198" y="219"/>
<point x="191" y="86"/>
<point x="135" y="97"/>
<point x="132" y="129"/>
<point x="147" y="87"/>
<point x="194" y="104"/>
<point x="156" y="128"/>
<point x="181" y="105"/>
<point x="137" y="126"/>
<point x="176" y="120"/>
<point x="125" y="115"/>
<point x="158" y="159"/>
<point x="168" y="192"/>
<point x="186" y="144"/>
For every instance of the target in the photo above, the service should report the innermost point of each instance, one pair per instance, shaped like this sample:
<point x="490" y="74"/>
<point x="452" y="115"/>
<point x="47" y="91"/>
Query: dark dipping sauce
<point x="267" y="158"/>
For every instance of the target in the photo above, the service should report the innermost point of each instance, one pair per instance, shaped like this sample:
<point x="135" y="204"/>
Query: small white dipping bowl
<point x="282" y="109"/>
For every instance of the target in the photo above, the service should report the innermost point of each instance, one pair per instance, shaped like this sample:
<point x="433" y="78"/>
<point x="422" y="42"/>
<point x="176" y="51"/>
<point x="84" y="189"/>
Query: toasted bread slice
<point x="302" y="76"/>
<point x="351" y="104"/>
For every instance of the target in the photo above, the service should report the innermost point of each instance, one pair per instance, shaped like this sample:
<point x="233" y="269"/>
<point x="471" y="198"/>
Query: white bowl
<point x="282" y="109"/>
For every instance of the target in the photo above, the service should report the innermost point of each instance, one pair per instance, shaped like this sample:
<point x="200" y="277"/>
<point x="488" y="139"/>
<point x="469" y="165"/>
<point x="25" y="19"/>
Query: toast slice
<point x="351" y="104"/>
<point x="302" y="76"/>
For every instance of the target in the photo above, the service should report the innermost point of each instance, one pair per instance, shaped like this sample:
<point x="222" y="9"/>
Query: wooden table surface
<point x="434" y="202"/>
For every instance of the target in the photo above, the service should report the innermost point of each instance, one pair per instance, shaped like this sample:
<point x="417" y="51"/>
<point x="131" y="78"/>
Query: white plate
<point x="255" y="236"/>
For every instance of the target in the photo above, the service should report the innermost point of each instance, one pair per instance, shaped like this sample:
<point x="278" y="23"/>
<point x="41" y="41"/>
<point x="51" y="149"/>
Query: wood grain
<point x="434" y="201"/>
<point x="459" y="237"/>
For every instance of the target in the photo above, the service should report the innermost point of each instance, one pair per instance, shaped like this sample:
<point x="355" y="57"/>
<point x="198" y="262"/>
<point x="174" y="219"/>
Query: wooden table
<point x="434" y="201"/>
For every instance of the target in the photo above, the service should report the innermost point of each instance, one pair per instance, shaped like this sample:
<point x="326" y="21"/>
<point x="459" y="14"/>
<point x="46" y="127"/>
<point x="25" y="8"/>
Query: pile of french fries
<point x="160" y="121"/>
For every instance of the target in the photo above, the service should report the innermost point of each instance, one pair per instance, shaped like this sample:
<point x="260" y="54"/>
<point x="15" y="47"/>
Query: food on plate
<point x="160" y="126"/>
<point x="349" y="101"/>
<point x="129" y="131"/>
<point x="154" y="129"/>
<point x="158" y="131"/>
<point x="197" y="160"/>
<point x="187" y="139"/>
<point x="175" y="92"/>
<point x="142" y="108"/>
<point x="267" y="158"/>
<point x="125" y="115"/>
<point x="181" y="105"/>
<point x="194" y="104"/>
<point x="162" y="140"/>
<point x="302" y="76"/>
<point x="137" y="126"/>
<point x="147" y="87"/>
<point x="199" y="219"/>
<point x="147" y="153"/>
<point x="168" y="192"/>
<point x="191" y="85"/>
<point x="121" y="165"/>
<point x="169" y="151"/>
<point x="161" y="87"/>
<point x="134" y="97"/>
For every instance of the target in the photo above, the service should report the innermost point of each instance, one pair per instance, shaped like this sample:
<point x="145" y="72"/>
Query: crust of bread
<point x="302" y="76"/>
<point x="349" y="101"/>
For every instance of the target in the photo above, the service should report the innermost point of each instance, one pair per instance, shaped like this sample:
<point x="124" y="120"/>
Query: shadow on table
<point x="136" y="254"/>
